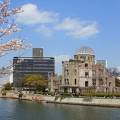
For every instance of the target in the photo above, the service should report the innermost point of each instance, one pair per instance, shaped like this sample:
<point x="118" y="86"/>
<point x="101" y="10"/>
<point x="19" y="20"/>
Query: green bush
<point x="100" y="94"/>
<point x="117" y="94"/>
<point x="4" y="93"/>
<point x="56" y="97"/>
<point x="7" y="86"/>
<point x="66" y="94"/>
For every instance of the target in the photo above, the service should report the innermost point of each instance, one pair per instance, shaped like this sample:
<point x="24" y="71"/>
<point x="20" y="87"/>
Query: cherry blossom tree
<point x="8" y="27"/>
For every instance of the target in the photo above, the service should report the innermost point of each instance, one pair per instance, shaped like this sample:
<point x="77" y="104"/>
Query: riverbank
<point x="86" y="101"/>
<point x="16" y="96"/>
<point x="102" y="102"/>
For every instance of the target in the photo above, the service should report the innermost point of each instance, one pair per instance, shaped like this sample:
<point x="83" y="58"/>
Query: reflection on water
<point x="24" y="110"/>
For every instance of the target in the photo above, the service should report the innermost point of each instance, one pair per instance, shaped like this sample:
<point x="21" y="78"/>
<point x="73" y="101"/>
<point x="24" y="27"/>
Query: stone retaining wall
<point x="76" y="101"/>
<point x="85" y="101"/>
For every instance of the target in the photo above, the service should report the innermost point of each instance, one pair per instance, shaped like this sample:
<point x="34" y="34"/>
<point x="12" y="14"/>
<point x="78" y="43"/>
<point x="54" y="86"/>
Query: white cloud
<point x="76" y="28"/>
<point x="49" y="22"/>
<point x="45" y="31"/>
<point x="60" y="58"/>
<point x="32" y="15"/>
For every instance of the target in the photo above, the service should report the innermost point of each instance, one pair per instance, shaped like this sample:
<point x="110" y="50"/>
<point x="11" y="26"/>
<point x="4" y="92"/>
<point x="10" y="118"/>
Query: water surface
<point x="25" y="110"/>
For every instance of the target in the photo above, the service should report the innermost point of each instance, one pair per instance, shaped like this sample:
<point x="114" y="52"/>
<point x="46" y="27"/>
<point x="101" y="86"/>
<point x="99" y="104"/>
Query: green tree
<point x="35" y="81"/>
<point x="7" y="86"/>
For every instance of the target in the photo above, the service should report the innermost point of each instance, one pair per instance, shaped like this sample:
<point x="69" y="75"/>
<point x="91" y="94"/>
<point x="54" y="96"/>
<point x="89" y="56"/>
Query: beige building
<point x="82" y="72"/>
<point x="54" y="83"/>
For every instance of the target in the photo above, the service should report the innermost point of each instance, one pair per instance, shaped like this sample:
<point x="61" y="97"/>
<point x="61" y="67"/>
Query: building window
<point x="94" y="72"/>
<point x="101" y="71"/>
<point x="60" y="81"/>
<point x="76" y="57"/>
<point x="109" y="84"/>
<point x="75" y="71"/>
<point x="65" y="90"/>
<point x="86" y="74"/>
<point x="106" y="80"/>
<point x="94" y="82"/>
<point x="66" y="65"/>
<point x="75" y="82"/>
<point x="73" y="90"/>
<point x="88" y="58"/>
<point x="82" y="58"/>
<point x="68" y="81"/>
<point x="67" y="72"/>
<point x="86" y="83"/>
<point x="65" y="81"/>
<point x="100" y="81"/>
<point x="86" y="64"/>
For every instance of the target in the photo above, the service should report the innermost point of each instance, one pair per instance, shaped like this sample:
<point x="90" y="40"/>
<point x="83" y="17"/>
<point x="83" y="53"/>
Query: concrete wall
<point x="86" y="101"/>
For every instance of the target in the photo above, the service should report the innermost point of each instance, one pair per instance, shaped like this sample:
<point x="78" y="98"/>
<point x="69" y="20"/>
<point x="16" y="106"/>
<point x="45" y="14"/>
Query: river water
<point x="26" y="110"/>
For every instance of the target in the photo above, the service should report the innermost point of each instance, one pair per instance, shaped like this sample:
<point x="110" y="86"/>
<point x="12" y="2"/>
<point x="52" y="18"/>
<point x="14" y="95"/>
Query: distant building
<point x="11" y="75"/>
<point x="37" y="52"/>
<point x="82" y="73"/>
<point x="102" y="62"/>
<point x="53" y="83"/>
<point x="32" y="65"/>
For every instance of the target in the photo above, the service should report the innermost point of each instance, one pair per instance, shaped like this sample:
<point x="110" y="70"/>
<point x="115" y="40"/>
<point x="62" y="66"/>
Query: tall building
<point x="102" y="62"/>
<point x="37" y="52"/>
<point x="53" y="83"/>
<point x="82" y="72"/>
<point x="32" y="65"/>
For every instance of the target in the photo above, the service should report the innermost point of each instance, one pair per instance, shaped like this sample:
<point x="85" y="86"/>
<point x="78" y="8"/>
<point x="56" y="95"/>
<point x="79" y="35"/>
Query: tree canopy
<point x="7" y="86"/>
<point x="36" y="81"/>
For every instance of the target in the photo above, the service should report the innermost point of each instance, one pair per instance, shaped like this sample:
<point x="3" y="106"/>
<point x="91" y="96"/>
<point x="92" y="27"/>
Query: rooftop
<point x="85" y="50"/>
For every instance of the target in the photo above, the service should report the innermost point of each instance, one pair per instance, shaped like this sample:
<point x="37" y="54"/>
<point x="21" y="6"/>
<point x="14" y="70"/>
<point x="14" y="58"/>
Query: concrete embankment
<point x="85" y="101"/>
<point x="73" y="101"/>
<point x="15" y="96"/>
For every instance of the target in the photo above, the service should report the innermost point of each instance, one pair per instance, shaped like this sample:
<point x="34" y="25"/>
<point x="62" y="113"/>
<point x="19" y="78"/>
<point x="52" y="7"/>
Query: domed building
<point x="85" y="50"/>
<point x="85" y="54"/>
<point x="82" y="72"/>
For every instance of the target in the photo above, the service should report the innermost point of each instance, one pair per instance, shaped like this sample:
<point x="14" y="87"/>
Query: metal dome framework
<point x="84" y="50"/>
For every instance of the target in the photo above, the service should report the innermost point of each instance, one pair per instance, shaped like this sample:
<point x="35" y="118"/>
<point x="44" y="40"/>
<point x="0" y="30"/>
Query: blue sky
<point x="62" y="26"/>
